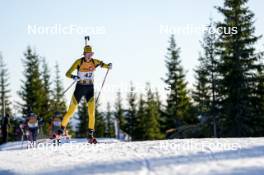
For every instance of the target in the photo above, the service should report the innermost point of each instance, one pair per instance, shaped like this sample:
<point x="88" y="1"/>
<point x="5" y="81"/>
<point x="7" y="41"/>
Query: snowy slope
<point x="186" y="156"/>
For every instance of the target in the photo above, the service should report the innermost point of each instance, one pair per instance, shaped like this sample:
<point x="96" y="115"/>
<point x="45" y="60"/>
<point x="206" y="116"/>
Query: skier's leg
<point x="35" y="132"/>
<point x="91" y="107"/>
<point x="77" y="95"/>
<point x="34" y="137"/>
<point x="91" y="113"/>
<point x="30" y="135"/>
<point x="70" y="112"/>
<point x="30" y="138"/>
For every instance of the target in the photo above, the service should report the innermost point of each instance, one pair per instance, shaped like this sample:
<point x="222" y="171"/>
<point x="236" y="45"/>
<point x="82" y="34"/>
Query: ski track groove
<point x="147" y="162"/>
<point x="143" y="159"/>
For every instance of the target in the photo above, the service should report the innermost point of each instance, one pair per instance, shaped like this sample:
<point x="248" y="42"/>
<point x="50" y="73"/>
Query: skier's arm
<point x="73" y="68"/>
<point x="102" y="64"/>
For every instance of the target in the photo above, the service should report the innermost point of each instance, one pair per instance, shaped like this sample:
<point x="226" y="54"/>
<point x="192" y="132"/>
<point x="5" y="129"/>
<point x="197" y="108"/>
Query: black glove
<point x="110" y="66"/>
<point x="75" y="78"/>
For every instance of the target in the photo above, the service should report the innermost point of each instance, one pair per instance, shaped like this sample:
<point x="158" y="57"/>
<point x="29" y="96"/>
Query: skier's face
<point x="88" y="55"/>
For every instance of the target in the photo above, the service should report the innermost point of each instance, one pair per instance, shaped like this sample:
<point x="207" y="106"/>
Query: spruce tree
<point x="237" y="68"/>
<point x="162" y="113"/>
<point x="257" y="122"/>
<point x="110" y="128"/>
<point x="178" y="102"/>
<point x="32" y="88"/>
<point x="131" y="113"/>
<point x="5" y="104"/>
<point x="204" y="93"/>
<point x="119" y="112"/>
<point x="46" y="112"/>
<point x="142" y="118"/>
<point x="100" y="123"/>
<point x="46" y="80"/>
<point x="58" y="100"/>
<point x="201" y="94"/>
<point x="152" y="127"/>
<point x="4" y="88"/>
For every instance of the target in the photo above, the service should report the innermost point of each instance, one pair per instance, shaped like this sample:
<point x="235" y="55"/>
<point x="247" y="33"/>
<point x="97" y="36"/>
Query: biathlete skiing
<point x="85" y="67"/>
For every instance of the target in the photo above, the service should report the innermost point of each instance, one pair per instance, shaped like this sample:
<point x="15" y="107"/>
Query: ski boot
<point x="91" y="139"/>
<point x="60" y="132"/>
<point x="58" y="135"/>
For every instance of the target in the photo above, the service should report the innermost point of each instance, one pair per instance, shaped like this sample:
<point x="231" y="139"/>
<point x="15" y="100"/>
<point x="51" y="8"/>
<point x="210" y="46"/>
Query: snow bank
<point x="185" y="156"/>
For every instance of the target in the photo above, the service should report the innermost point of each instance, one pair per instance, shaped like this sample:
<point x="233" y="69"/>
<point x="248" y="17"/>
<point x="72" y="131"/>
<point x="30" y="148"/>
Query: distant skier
<point x="85" y="67"/>
<point x="32" y="126"/>
<point x="55" y="124"/>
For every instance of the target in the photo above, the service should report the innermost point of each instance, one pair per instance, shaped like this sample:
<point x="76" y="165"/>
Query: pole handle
<point x="86" y="38"/>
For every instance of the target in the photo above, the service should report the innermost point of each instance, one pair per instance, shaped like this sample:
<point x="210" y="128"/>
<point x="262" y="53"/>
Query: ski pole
<point x="102" y="86"/>
<point x="69" y="87"/>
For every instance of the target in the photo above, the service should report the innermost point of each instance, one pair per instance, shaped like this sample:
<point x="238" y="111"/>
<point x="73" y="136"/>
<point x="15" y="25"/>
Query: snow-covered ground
<point x="185" y="156"/>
